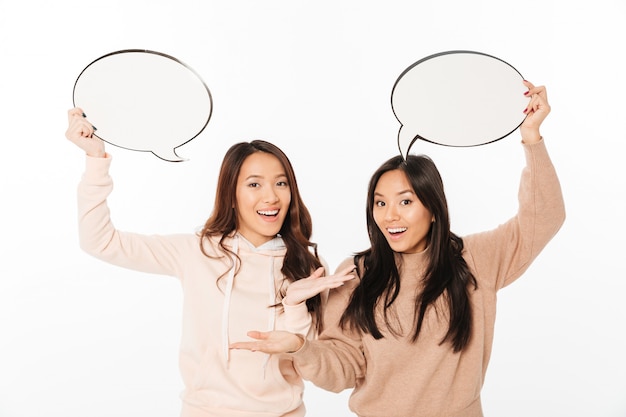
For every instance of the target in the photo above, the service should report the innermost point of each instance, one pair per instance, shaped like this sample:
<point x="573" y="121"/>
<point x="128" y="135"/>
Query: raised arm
<point x="97" y="234"/>
<point x="501" y="255"/>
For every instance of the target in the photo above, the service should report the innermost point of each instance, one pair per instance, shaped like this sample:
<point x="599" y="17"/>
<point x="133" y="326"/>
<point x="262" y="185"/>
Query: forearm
<point x="298" y="320"/>
<point x="99" y="237"/>
<point x="503" y="254"/>
<point x="328" y="365"/>
<point x="94" y="224"/>
<point x="542" y="208"/>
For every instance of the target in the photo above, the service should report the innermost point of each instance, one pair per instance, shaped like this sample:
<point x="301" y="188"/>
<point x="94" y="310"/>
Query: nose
<point x="270" y="195"/>
<point x="391" y="213"/>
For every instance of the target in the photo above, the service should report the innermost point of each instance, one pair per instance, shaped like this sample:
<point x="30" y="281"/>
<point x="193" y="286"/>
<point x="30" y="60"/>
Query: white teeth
<point x="268" y="212"/>
<point x="397" y="230"/>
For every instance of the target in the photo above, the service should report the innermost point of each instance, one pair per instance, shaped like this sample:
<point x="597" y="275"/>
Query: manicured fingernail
<point x="525" y="110"/>
<point x="84" y="115"/>
<point x="94" y="128"/>
<point x="526" y="93"/>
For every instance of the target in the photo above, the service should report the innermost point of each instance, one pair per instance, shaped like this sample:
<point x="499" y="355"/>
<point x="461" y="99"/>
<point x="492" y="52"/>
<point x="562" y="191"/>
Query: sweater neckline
<point x="412" y="264"/>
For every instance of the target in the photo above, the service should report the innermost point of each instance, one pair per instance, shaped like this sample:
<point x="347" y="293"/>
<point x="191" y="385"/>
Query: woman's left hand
<point x="303" y="289"/>
<point x="277" y="341"/>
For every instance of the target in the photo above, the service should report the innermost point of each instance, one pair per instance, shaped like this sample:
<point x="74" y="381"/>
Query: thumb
<point x="318" y="272"/>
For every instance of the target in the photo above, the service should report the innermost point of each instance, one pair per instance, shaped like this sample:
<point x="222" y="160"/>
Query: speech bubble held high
<point x="458" y="98"/>
<point x="144" y="101"/>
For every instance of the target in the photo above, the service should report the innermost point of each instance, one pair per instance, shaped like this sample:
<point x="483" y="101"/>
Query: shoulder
<point x="211" y="244"/>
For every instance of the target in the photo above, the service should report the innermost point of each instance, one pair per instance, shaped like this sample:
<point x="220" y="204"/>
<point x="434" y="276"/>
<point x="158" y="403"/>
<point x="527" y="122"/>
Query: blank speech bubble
<point x="144" y="101"/>
<point x="458" y="98"/>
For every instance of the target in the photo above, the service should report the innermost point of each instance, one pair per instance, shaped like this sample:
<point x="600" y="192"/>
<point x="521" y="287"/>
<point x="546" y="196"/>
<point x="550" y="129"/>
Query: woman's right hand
<point x="303" y="289"/>
<point x="537" y="110"/>
<point x="80" y="132"/>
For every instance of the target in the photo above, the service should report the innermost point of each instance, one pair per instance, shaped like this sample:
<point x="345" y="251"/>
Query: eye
<point x="254" y="185"/>
<point x="405" y="202"/>
<point x="379" y="203"/>
<point x="282" y="184"/>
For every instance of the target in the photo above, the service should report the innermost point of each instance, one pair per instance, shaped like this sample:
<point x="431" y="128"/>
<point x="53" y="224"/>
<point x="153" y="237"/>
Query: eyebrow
<point x="407" y="191"/>
<point x="255" y="176"/>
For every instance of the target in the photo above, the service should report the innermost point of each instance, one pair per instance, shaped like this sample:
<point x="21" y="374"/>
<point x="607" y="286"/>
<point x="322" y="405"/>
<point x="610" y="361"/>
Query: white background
<point x="81" y="338"/>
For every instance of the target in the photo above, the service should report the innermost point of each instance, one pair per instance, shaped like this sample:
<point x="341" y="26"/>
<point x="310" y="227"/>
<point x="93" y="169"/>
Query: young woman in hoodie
<point x="234" y="274"/>
<point x="413" y="334"/>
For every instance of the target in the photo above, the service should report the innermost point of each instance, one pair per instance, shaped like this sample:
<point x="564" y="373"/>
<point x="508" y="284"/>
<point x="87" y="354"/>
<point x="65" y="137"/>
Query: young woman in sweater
<point x="413" y="334"/>
<point x="234" y="274"/>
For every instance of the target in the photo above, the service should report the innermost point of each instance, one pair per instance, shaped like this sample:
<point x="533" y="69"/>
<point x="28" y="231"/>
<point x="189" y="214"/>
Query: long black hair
<point x="447" y="274"/>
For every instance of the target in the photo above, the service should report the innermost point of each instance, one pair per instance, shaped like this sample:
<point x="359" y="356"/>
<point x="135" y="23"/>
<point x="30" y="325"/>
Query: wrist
<point x="92" y="154"/>
<point x="290" y="301"/>
<point x="530" y="136"/>
<point x="298" y="343"/>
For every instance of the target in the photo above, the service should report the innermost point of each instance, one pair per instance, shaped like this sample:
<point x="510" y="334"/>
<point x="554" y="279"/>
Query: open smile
<point x="270" y="216"/>
<point x="396" y="232"/>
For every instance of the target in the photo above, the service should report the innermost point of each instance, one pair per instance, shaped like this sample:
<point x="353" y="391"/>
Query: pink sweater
<point x="393" y="376"/>
<point x="218" y="382"/>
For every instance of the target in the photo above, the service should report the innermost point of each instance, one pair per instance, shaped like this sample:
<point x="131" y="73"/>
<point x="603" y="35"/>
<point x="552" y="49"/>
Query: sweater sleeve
<point x="99" y="238"/>
<point x="501" y="255"/>
<point x="298" y="319"/>
<point x="335" y="360"/>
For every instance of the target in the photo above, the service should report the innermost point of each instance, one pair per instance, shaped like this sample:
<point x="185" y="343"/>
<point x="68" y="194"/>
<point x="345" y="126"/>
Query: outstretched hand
<point x="537" y="110"/>
<point x="303" y="289"/>
<point x="277" y="341"/>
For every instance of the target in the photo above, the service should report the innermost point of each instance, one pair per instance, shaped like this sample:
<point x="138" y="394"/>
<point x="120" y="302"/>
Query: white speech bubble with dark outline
<point x="458" y="98"/>
<point x="144" y="101"/>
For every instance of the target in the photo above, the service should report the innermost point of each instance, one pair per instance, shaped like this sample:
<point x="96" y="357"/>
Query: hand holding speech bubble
<point x="458" y="98"/>
<point x="144" y="101"/>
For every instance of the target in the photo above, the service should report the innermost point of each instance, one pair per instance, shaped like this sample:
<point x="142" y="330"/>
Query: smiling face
<point x="399" y="214"/>
<point x="263" y="197"/>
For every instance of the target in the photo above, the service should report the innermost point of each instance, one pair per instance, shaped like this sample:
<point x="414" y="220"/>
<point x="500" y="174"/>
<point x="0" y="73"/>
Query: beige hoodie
<point x="395" y="377"/>
<point x="218" y="381"/>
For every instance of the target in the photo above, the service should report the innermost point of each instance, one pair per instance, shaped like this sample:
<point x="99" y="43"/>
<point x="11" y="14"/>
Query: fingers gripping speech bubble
<point x="144" y="101"/>
<point x="458" y="98"/>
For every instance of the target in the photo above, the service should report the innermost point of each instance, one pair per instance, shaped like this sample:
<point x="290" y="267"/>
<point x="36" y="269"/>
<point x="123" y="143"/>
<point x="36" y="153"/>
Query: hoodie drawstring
<point x="226" y="308"/>
<point x="272" y="310"/>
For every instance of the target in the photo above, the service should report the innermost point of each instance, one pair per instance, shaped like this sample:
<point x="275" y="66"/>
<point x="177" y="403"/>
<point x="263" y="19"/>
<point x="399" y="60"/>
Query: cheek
<point x="285" y="200"/>
<point x="238" y="198"/>
<point x="419" y="218"/>
<point x="243" y="197"/>
<point x="377" y="218"/>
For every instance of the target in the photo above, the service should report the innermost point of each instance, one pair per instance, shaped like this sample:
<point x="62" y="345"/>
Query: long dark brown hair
<point x="295" y="231"/>
<point x="447" y="274"/>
